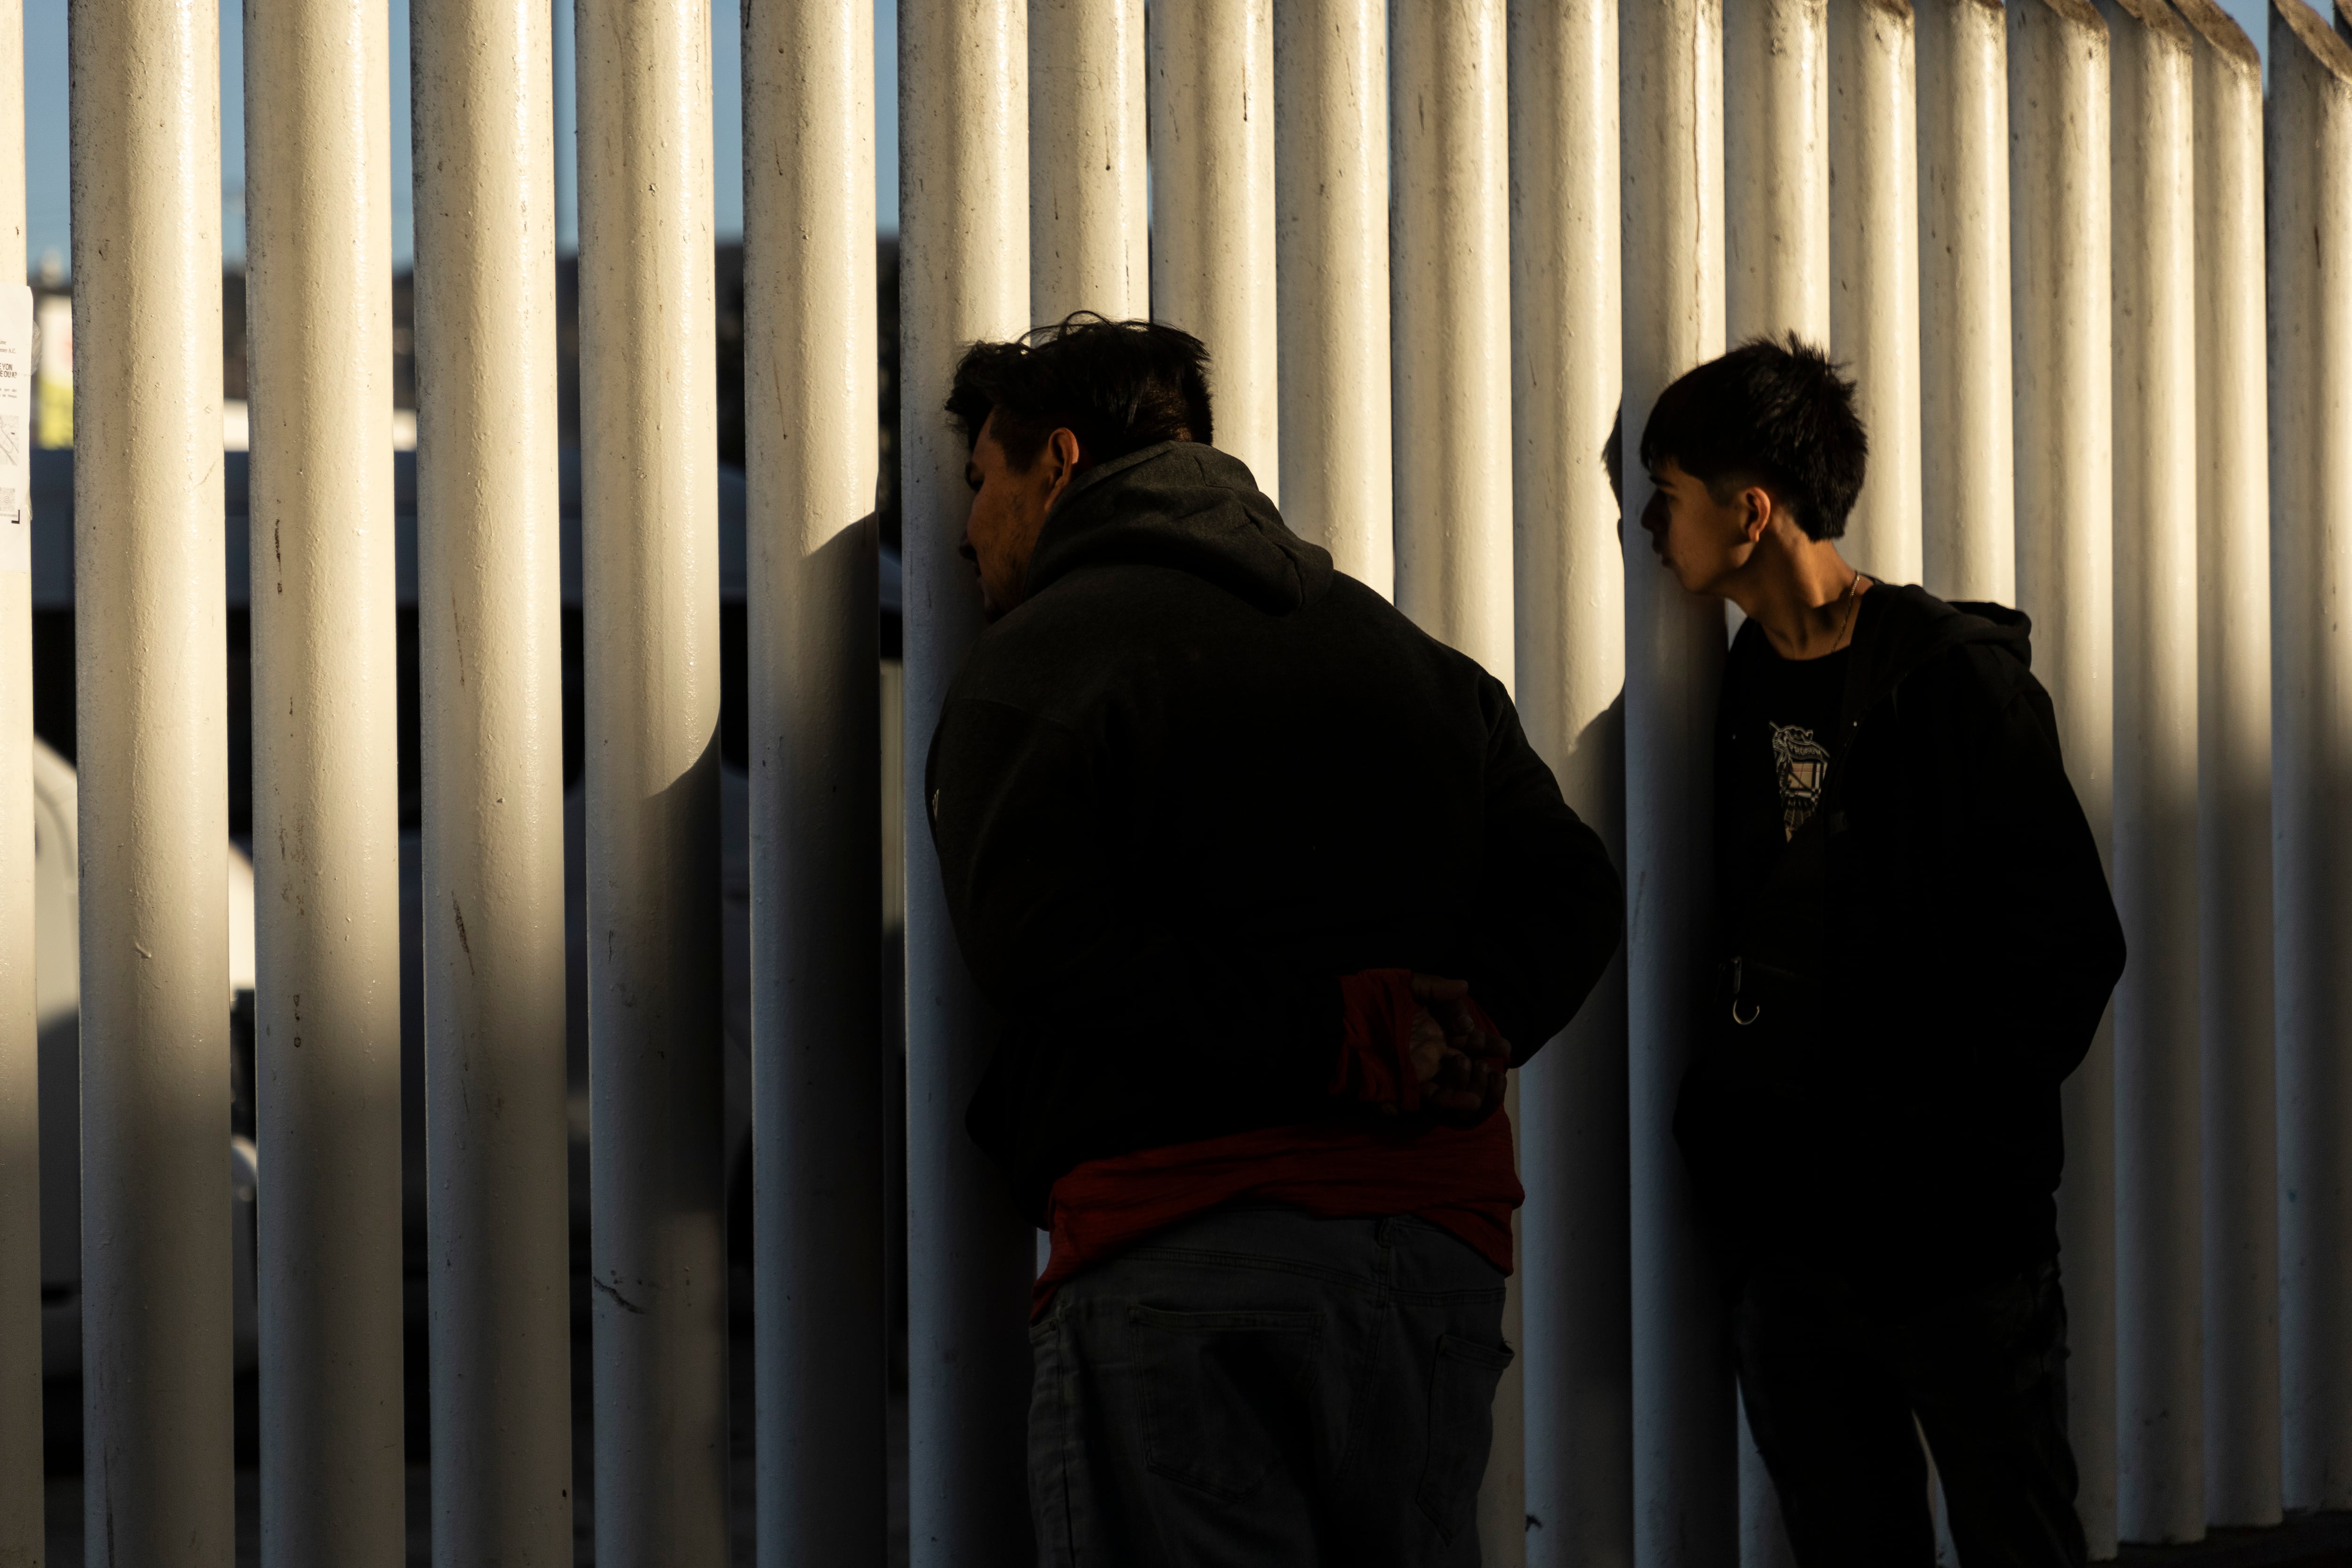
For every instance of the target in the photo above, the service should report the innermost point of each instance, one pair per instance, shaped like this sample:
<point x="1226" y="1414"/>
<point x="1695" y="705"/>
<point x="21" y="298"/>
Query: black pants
<point x="1831" y="1391"/>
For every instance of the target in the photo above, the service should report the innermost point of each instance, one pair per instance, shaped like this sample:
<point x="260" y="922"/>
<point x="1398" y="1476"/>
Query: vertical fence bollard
<point x="2307" y="152"/>
<point x="1874" y="269"/>
<point x="1670" y="97"/>
<point x="963" y="269"/>
<point x="1967" y="534"/>
<point x="2066" y="488"/>
<point x="2239" y="1188"/>
<point x="649" y="590"/>
<point x="1331" y="269"/>
<point x="1776" y="169"/>
<point x="326" y="775"/>
<point x="1449" y="313"/>
<point x="1212" y="271"/>
<point x="2160" y="1386"/>
<point x="21" y="1487"/>
<point x="1777" y="281"/>
<point x="817" y="1077"/>
<point x="1089" y="225"/>
<point x="489" y="646"/>
<point x="151" y="679"/>
<point x="1569" y="621"/>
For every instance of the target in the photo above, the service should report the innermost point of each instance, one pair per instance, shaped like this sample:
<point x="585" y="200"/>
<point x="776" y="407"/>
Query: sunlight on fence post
<point x="1670" y="97"/>
<point x="649" y="613"/>
<point x="2159" y="1325"/>
<point x="1569" y="621"/>
<point x="1968" y="536"/>
<point x="1331" y="268"/>
<point x="2058" y="225"/>
<point x="2240" y="1187"/>
<point x="964" y="237"/>
<point x="1212" y="244"/>
<point x="151" y="728"/>
<point x="809" y="386"/>
<point x="1089" y="223"/>
<point x="489" y="649"/>
<point x="326" y="782"/>
<point x="1873" y="270"/>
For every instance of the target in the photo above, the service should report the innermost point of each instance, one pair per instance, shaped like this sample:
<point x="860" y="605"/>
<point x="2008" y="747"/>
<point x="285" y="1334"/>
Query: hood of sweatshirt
<point x="1900" y="629"/>
<point x="1908" y="626"/>
<point x="1186" y="507"/>
<point x="1904" y="629"/>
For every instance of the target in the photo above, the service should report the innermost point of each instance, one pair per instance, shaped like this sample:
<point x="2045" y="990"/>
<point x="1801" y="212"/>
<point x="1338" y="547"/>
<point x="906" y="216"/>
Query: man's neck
<point x="1802" y="595"/>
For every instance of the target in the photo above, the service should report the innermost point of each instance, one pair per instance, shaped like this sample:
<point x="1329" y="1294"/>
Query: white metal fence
<point x="2098" y="293"/>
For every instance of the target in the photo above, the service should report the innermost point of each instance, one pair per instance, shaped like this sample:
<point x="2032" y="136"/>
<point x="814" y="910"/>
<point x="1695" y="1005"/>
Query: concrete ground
<point x="2305" y="1541"/>
<point x="2312" y="1541"/>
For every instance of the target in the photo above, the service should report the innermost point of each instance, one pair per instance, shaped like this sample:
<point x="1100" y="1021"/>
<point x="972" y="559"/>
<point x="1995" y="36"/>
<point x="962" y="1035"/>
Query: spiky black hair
<point x="1773" y="413"/>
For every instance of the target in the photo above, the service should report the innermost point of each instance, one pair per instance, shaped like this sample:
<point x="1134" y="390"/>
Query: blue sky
<point x="48" y="206"/>
<point x="48" y="216"/>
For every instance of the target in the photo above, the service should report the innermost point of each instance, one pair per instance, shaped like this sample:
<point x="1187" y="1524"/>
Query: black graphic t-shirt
<point x="1783" y="737"/>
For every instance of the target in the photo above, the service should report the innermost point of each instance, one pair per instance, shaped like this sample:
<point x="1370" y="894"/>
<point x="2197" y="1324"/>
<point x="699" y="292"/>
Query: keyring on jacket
<point x="1755" y="1011"/>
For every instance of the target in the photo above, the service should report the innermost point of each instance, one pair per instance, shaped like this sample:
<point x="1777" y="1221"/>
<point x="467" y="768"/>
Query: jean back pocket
<point x="1225" y="1395"/>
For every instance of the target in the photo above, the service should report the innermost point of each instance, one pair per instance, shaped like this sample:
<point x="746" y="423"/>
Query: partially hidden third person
<point x="1917" y="941"/>
<point x="1270" y="892"/>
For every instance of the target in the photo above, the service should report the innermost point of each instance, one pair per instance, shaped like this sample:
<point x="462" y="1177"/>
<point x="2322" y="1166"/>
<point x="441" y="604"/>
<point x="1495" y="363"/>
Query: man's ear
<point x="1756" y="512"/>
<point x="1062" y="453"/>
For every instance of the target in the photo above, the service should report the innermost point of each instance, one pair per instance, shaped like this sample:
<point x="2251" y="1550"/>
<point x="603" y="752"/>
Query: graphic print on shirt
<point x="1801" y="766"/>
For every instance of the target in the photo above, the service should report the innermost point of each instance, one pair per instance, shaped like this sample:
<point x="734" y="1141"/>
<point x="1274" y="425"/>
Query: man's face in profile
<point x="1008" y="512"/>
<point x="1700" y="539"/>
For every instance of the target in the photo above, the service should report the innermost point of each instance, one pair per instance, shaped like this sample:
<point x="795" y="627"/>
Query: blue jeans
<point x="1257" y="1386"/>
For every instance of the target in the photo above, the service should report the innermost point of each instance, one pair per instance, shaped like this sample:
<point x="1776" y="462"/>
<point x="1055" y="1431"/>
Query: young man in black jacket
<point x="1269" y="890"/>
<point x="1918" y="943"/>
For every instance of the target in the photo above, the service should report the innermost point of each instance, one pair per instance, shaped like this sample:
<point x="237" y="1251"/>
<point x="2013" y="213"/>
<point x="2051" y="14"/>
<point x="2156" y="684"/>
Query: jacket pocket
<point x="1224" y="1394"/>
<point x="1461" y="1430"/>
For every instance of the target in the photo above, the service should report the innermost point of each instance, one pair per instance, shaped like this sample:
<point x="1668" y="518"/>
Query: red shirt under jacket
<point x="1464" y="1179"/>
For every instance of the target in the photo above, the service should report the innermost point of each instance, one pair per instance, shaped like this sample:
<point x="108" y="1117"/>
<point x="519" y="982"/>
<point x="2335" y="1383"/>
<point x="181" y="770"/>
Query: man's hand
<point x="1462" y="1068"/>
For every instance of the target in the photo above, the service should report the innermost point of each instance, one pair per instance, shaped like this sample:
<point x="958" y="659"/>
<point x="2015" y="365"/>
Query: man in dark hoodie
<point x="1918" y="943"/>
<point x="1269" y="890"/>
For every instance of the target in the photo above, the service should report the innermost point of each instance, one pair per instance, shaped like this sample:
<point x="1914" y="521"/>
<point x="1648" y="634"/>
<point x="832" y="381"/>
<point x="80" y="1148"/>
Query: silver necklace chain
<point x="1852" y="604"/>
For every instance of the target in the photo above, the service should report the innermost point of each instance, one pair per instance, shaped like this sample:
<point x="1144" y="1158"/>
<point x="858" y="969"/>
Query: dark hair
<point x="1612" y="455"/>
<point x="1118" y="386"/>
<point x="1772" y="413"/>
